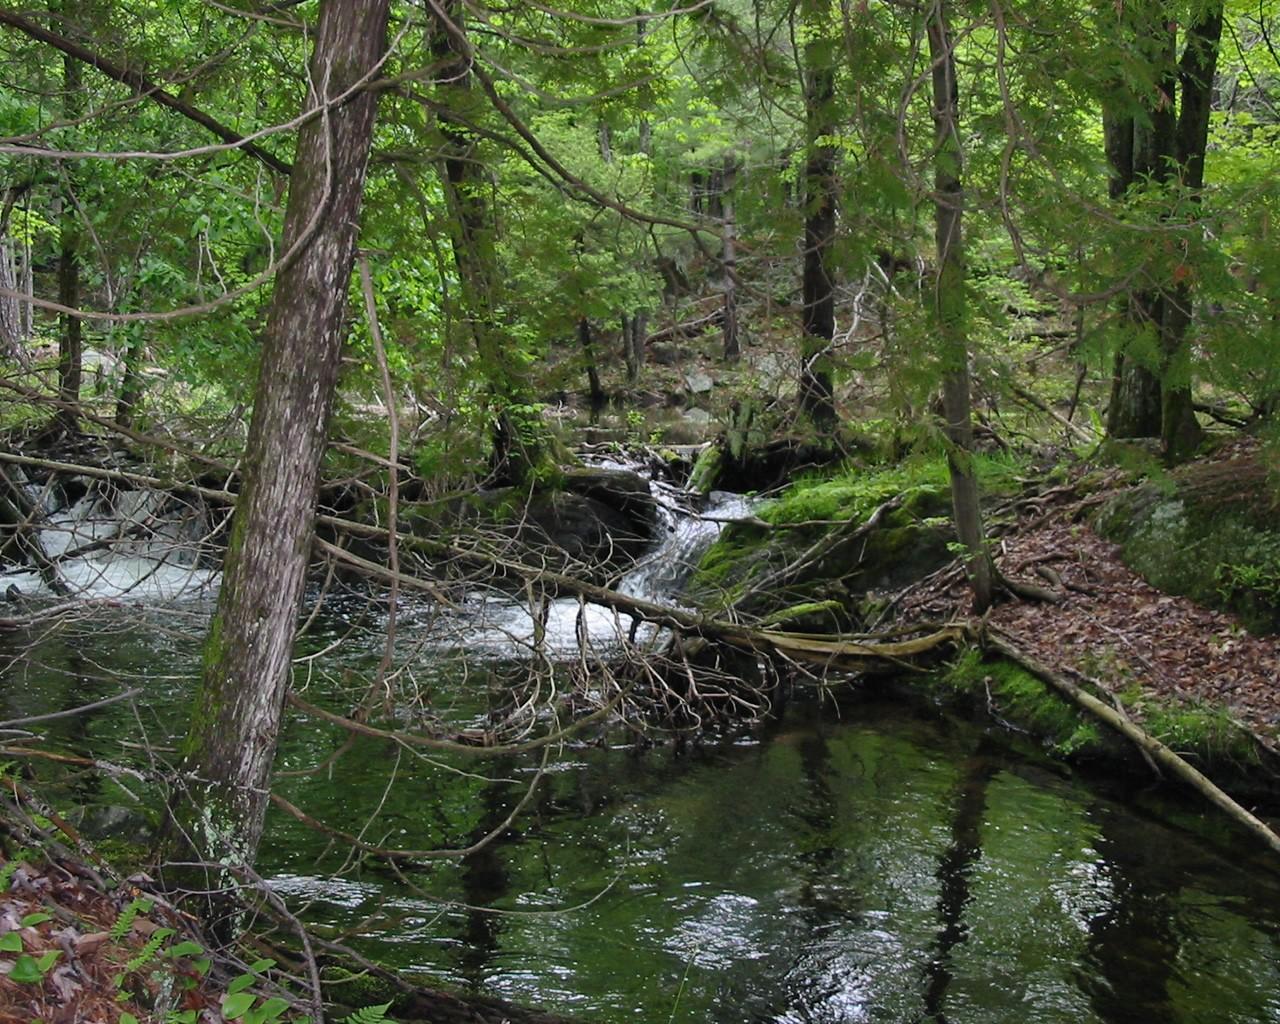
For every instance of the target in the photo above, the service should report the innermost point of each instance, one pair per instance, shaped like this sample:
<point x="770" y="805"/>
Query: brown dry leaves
<point x="55" y="908"/>
<point x="1115" y="627"/>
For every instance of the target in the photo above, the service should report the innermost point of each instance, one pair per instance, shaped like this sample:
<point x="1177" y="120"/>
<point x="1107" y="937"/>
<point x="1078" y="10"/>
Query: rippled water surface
<point x="881" y="864"/>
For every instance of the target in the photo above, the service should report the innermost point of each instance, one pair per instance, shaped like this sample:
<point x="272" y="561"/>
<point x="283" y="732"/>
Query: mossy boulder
<point x="910" y="542"/>
<point x="747" y="568"/>
<point x="1210" y="531"/>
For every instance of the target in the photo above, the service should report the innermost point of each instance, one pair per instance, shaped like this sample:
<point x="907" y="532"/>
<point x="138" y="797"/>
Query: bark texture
<point x="521" y="447"/>
<point x="232" y="743"/>
<point x="729" y="262"/>
<point x="950" y="308"/>
<point x="817" y="392"/>
<point x="70" y="329"/>
<point x="1165" y="146"/>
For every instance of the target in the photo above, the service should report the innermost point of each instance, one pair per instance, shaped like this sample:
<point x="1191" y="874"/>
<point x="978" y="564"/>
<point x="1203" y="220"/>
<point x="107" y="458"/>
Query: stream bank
<point x="1197" y="677"/>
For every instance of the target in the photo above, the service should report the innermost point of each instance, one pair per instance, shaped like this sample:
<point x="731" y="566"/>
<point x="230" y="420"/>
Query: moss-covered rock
<point x="747" y="568"/>
<point x="1210" y="531"/>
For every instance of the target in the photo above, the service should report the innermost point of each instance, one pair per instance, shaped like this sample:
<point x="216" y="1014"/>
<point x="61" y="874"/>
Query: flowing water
<point x="869" y="861"/>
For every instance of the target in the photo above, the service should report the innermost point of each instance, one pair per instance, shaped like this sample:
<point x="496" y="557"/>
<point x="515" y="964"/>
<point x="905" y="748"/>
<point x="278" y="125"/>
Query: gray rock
<point x="698" y="383"/>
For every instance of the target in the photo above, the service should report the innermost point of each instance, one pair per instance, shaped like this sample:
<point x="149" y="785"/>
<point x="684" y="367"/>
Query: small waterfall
<point x="503" y="627"/>
<point x="686" y="535"/>
<point x="137" y="546"/>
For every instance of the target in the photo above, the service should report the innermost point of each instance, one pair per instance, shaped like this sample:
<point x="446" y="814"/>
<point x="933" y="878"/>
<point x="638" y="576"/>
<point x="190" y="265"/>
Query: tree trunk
<point x="70" y="334"/>
<point x="1180" y="430"/>
<point x="521" y="447"/>
<point x="12" y="340"/>
<point x="596" y="393"/>
<point x="131" y="383"/>
<point x="228" y="753"/>
<point x="950" y="308"/>
<point x="729" y="265"/>
<point x="817" y="392"/>
<point x="635" y="333"/>
<point x="1134" y="407"/>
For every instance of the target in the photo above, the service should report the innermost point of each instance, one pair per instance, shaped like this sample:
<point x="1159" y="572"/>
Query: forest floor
<point x="1112" y="628"/>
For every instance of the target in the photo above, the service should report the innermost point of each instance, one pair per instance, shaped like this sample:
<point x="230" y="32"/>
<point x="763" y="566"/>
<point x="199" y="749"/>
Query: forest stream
<point x="858" y="859"/>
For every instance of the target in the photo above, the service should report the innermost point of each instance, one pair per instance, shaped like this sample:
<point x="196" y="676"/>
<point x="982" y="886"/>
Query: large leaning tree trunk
<point x="949" y="307"/>
<point x="817" y="389"/>
<point x="220" y="808"/>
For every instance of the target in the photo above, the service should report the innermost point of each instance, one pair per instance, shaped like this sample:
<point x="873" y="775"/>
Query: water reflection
<point x="878" y="866"/>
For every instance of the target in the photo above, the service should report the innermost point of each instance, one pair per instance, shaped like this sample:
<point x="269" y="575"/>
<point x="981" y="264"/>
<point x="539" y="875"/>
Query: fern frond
<point x="124" y="922"/>
<point x="370" y="1015"/>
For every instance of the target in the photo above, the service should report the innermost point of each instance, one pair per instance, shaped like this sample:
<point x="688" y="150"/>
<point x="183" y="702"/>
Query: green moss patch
<point x="1027" y="703"/>
<point x="1203" y="733"/>
<point x="1211" y="533"/>
<point x="910" y="542"/>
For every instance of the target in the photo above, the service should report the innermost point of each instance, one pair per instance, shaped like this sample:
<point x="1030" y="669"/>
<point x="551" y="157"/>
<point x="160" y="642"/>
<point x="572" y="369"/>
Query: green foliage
<point x="1015" y="695"/>
<point x="12" y="865"/>
<point x="140" y="905"/>
<point x="149" y="950"/>
<point x="29" y="970"/>
<point x="855" y="492"/>
<point x="369" y="1015"/>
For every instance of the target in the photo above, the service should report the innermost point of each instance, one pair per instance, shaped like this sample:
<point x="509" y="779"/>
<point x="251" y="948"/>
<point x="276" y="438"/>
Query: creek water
<point x="866" y="860"/>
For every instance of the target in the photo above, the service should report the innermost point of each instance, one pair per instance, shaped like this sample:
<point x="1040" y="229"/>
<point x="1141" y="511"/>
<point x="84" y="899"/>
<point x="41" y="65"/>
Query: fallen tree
<point x="1121" y="723"/>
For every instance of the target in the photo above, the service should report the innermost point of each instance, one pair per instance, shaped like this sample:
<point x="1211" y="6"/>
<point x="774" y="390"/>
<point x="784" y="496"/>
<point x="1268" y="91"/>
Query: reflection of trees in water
<point x="1133" y="945"/>
<point x="955" y="871"/>
<point x="485" y="881"/>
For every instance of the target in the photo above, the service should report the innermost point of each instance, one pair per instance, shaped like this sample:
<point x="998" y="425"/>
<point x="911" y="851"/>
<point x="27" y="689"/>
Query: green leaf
<point x="48" y="960"/>
<point x="258" y="966"/>
<point x="202" y="965"/>
<point x="31" y="920"/>
<point x="239" y="984"/>
<point x="127" y="1018"/>
<point x="369" y="1015"/>
<point x="26" y="971"/>
<point x="235" y="1005"/>
<point x="272" y="1008"/>
<point x="10" y="942"/>
<point x="185" y="949"/>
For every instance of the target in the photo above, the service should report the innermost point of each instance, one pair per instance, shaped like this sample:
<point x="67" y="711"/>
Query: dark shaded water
<point x="879" y="865"/>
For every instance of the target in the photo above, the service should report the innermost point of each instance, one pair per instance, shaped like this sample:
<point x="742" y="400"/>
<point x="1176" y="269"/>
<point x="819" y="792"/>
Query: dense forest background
<point x="548" y="188"/>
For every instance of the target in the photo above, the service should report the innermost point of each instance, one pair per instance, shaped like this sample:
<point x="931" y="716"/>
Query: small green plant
<point x="16" y="861"/>
<point x="369" y="1015"/>
<point x="1235" y="580"/>
<point x="124" y="922"/>
<point x="30" y="970"/>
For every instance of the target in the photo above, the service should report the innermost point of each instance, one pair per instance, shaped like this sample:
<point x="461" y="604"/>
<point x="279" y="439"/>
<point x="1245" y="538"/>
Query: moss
<point x="1202" y="732"/>
<point x="1209" y="534"/>
<point x="706" y="469"/>
<point x="724" y="572"/>
<point x="125" y="856"/>
<point x="853" y="493"/>
<point x="1014" y="694"/>
<point x="809" y="616"/>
